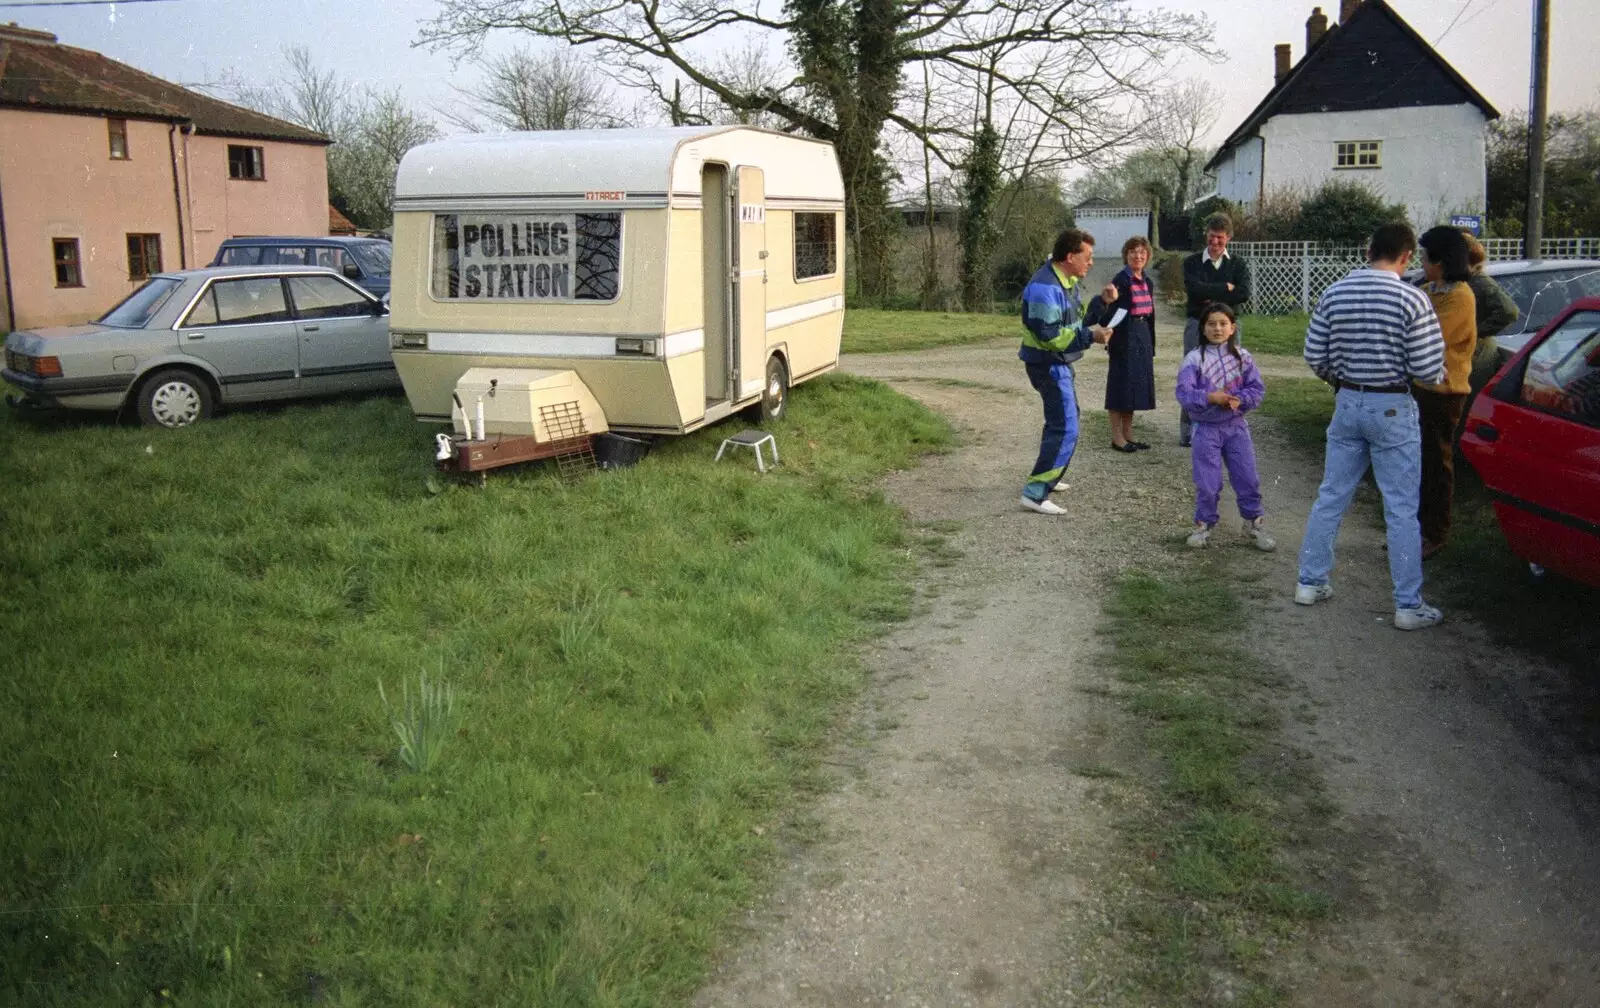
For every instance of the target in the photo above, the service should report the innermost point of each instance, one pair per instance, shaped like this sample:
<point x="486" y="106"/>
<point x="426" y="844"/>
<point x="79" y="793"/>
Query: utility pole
<point x="1539" y="86"/>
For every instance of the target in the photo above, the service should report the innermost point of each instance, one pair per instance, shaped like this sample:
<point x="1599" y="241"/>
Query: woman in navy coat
<point x="1131" y="381"/>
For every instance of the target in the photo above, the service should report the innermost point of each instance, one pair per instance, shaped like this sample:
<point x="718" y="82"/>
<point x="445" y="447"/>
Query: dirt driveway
<point x="963" y="861"/>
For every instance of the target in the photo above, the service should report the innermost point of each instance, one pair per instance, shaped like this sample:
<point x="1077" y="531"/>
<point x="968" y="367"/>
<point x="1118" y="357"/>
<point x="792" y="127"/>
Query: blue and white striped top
<point x="1373" y="328"/>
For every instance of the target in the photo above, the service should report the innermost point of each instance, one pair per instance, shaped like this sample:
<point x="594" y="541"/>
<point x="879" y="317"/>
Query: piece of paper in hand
<point x="1116" y="319"/>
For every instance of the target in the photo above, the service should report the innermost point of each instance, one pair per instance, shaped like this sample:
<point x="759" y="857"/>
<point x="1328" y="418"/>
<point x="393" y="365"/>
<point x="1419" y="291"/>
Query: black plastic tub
<point x="617" y="451"/>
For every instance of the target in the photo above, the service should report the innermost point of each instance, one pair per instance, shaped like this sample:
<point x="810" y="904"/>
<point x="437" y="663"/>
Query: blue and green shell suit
<point x="1056" y="326"/>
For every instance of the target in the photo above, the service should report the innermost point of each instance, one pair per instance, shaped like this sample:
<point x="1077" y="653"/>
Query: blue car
<point x="363" y="261"/>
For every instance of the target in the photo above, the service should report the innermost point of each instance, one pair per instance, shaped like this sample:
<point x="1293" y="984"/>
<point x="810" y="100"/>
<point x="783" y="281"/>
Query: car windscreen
<point x="373" y="256"/>
<point x="137" y="308"/>
<point x="1541" y="295"/>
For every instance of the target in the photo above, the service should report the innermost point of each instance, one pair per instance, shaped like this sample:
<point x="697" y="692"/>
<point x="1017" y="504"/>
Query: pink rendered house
<point x="108" y="174"/>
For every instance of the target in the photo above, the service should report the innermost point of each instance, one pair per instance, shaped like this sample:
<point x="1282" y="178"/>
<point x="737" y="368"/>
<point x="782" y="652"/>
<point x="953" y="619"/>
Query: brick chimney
<point x="1346" y="9"/>
<point x="1280" y="61"/>
<point x="1316" y="24"/>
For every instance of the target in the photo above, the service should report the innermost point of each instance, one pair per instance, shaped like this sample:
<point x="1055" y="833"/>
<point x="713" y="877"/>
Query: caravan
<point x="679" y="274"/>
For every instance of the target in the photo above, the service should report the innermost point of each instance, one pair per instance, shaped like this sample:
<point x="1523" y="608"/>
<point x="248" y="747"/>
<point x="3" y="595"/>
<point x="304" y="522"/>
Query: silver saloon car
<point x="187" y="342"/>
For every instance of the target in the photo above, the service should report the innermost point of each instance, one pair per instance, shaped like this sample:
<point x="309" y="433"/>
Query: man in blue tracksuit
<point x="1058" y="332"/>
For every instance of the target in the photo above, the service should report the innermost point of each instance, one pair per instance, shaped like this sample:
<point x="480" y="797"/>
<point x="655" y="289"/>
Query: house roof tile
<point x="39" y="73"/>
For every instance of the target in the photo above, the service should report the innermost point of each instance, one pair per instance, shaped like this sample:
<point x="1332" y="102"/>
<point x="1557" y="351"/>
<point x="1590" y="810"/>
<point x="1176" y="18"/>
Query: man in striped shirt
<point x="1371" y="335"/>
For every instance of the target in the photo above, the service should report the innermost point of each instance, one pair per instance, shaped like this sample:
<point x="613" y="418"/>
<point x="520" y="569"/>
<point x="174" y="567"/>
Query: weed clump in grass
<point x="423" y="722"/>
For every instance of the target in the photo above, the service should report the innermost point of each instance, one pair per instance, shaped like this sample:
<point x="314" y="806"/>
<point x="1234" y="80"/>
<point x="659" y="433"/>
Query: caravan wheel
<point x="775" y="393"/>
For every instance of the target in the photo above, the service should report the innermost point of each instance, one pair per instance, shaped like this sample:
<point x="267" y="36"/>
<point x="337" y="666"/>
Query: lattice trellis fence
<point x="1290" y="276"/>
<point x="1549" y="248"/>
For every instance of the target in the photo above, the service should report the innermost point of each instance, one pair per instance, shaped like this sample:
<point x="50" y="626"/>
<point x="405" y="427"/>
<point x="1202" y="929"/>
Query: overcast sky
<point x="370" y="42"/>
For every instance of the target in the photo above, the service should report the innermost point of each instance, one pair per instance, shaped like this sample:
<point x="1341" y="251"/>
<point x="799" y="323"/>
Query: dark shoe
<point x="1129" y="447"/>
<point x="1139" y="445"/>
<point x="1184" y="444"/>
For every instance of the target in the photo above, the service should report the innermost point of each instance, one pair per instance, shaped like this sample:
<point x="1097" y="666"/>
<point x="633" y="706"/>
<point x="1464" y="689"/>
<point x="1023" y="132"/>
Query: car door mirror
<point x="352" y="271"/>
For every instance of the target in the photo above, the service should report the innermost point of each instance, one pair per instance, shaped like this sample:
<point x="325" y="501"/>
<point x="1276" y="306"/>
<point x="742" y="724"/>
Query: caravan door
<point x="750" y="281"/>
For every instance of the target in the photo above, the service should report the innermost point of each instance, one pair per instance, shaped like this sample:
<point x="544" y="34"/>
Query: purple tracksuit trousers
<point x="1213" y="446"/>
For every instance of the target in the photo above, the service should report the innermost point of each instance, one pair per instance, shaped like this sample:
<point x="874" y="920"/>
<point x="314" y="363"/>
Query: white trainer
<point x="1200" y="538"/>
<point x="1256" y="530"/>
<point x="1045" y="507"/>
<point x="1062" y="488"/>
<point x="1420" y="618"/>
<point x="1305" y="594"/>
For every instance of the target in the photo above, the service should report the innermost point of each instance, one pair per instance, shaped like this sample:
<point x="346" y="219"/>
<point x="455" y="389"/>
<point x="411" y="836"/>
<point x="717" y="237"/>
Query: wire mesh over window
<point x="815" y="245"/>
<point x="527" y="256"/>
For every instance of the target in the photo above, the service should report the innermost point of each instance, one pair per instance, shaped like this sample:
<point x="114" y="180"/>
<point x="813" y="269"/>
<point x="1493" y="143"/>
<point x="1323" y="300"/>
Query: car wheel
<point x="774" y="392"/>
<point x="174" y="399"/>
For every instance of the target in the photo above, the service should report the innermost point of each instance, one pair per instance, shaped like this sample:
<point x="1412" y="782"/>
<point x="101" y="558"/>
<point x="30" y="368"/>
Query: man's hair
<point x="1137" y="241"/>
<point x="1068" y="242"/>
<point x="1477" y="255"/>
<point x="1447" y="246"/>
<point x="1392" y="241"/>
<point x="1220" y="222"/>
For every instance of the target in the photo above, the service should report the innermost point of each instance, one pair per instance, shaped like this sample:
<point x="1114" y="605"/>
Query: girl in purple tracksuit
<point x="1217" y="385"/>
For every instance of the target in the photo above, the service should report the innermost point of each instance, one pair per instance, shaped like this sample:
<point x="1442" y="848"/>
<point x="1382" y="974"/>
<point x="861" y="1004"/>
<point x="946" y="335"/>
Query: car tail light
<point x="47" y="367"/>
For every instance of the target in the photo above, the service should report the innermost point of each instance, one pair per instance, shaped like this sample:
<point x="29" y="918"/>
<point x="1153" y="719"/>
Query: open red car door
<point x="1533" y="435"/>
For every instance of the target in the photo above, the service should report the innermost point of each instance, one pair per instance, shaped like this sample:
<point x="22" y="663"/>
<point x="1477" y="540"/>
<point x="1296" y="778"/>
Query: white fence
<point x="1290" y="276"/>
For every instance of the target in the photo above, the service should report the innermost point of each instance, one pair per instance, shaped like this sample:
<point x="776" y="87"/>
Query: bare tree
<point x="306" y="95"/>
<point x="386" y="129"/>
<point x="1056" y="58"/>
<point x="1179" y="119"/>
<point x="370" y="130"/>
<point x="524" y="90"/>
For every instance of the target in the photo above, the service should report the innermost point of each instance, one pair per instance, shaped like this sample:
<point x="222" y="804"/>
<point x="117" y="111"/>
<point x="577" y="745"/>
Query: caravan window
<point x="815" y="251"/>
<point x="527" y="256"/>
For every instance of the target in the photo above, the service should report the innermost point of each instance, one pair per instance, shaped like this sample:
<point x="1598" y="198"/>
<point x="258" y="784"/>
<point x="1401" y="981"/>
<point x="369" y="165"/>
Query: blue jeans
<point x="1380" y="428"/>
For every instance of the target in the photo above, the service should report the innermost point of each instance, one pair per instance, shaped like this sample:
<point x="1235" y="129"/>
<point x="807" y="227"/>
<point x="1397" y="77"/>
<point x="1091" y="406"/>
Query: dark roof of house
<point x="38" y="72"/>
<point x="1372" y="61"/>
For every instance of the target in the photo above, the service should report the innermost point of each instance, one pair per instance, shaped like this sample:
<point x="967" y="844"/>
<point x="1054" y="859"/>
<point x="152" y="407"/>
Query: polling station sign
<point x="512" y="256"/>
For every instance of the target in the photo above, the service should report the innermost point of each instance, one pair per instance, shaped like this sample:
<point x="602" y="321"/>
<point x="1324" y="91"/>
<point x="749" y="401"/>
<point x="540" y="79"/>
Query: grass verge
<point x="201" y="790"/>
<point x="1274" y="334"/>
<point x="1215" y="895"/>
<point x="870" y="330"/>
<point x="1478" y="572"/>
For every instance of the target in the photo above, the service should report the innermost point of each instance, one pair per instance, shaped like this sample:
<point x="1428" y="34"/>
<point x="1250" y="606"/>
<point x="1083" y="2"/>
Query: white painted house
<point x="1369" y="102"/>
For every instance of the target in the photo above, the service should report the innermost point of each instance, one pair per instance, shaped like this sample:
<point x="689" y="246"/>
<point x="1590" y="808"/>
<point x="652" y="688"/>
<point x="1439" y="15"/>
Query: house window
<point x="815" y="248"/>
<point x="144" y="255"/>
<point x="68" y="271"/>
<point x="117" y="132"/>
<point x="1358" y="154"/>
<point x="245" y="162"/>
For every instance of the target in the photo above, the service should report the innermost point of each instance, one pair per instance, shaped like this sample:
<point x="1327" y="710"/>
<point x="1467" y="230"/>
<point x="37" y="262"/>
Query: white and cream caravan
<point x="681" y="273"/>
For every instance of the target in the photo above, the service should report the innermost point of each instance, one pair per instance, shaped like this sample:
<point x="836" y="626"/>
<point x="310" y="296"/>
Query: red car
<point x="1533" y="435"/>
